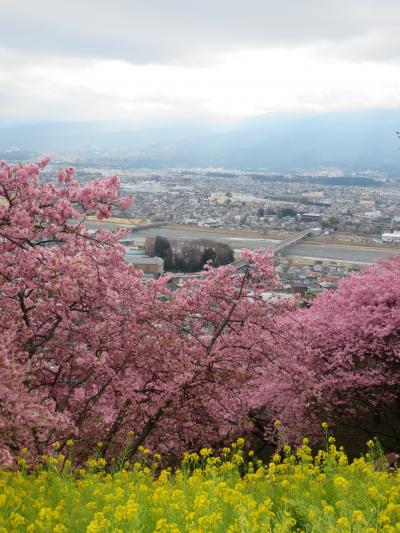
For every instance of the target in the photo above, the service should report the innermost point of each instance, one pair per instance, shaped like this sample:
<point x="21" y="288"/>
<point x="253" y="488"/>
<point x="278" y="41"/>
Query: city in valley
<point x="322" y="224"/>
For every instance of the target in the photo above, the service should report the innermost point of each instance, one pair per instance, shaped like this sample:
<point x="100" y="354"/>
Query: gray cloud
<point x="188" y="31"/>
<point x="168" y="57"/>
<point x="57" y="88"/>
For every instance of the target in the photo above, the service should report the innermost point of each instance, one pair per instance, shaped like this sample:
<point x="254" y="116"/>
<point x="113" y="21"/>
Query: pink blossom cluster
<point x="340" y="359"/>
<point x="90" y="351"/>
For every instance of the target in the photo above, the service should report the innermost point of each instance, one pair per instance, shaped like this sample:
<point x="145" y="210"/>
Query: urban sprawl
<point x="352" y="220"/>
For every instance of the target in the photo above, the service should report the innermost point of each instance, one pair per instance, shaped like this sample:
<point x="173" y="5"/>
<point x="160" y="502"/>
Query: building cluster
<point x="311" y="279"/>
<point x="244" y="201"/>
<point x="357" y="205"/>
<point x="365" y="208"/>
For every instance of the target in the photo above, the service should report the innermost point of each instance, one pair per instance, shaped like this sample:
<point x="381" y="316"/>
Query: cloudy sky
<point x="216" y="59"/>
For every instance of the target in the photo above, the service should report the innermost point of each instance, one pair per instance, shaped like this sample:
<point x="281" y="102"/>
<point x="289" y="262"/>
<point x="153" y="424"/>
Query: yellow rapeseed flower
<point x="205" y="452"/>
<point x="59" y="528"/>
<point x="340" y="482"/>
<point x="221" y="492"/>
<point x="342" y="521"/>
<point x="358" y="516"/>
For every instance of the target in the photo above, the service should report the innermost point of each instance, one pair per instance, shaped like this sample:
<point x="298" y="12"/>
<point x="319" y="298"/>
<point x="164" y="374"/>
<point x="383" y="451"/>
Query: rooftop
<point x="143" y="260"/>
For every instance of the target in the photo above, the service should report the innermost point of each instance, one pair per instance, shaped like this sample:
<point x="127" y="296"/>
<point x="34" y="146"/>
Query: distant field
<point x="122" y="221"/>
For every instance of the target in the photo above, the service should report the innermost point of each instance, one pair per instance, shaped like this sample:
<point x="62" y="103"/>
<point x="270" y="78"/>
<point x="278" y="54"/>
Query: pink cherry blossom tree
<point x="91" y="351"/>
<point x="342" y="361"/>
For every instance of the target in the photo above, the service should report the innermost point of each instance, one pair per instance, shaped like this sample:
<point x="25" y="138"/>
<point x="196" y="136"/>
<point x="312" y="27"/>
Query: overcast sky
<point x="213" y="59"/>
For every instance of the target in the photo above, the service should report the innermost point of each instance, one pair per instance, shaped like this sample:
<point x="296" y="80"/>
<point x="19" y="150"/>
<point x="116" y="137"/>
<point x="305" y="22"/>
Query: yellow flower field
<point x="229" y="493"/>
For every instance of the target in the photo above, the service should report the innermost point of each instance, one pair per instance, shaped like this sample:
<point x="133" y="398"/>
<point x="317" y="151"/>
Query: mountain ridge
<point x="352" y="140"/>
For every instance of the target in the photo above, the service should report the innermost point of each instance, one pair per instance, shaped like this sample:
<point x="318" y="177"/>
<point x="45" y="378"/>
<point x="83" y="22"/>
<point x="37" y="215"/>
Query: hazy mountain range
<point x="279" y="142"/>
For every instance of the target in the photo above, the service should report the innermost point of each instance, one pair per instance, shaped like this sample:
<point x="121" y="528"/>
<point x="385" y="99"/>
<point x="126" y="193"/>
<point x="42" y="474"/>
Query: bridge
<point x="290" y="241"/>
<point x="279" y="246"/>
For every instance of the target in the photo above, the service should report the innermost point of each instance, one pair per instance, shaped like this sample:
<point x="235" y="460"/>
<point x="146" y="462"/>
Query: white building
<point x="391" y="237"/>
<point x="218" y="198"/>
<point x="210" y="223"/>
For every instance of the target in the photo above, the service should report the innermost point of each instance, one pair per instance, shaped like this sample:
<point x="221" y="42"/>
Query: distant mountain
<point x="352" y="140"/>
<point x="278" y="142"/>
<point x="107" y="136"/>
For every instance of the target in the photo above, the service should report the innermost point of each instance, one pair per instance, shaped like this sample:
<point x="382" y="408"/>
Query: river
<point x="356" y="254"/>
<point x="236" y="242"/>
